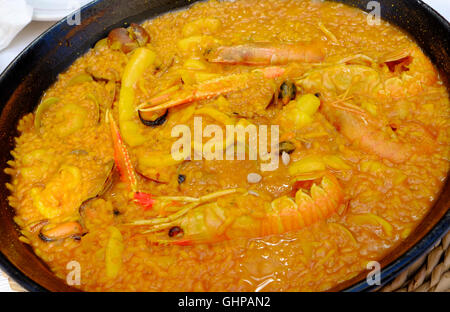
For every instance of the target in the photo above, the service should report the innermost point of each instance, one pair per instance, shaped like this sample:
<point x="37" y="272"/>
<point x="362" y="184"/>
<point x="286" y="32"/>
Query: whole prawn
<point x="207" y="90"/>
<point x="365" y="131"/>
<point x="362" y="131"/>
<point x="372" y="134"/>
<point x="211" y="223"/>
<point x="268" y="53"/>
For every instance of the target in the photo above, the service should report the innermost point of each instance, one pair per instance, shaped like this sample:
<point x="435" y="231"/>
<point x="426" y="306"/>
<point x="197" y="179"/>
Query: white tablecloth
<point x="34" y="29"/>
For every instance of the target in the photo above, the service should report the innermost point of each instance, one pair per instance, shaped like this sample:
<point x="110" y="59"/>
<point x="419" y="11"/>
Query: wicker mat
<point x="14" y="286"/>
<point x="430" y="273"/>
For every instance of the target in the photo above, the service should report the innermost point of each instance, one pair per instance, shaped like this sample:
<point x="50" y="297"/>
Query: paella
<point x="232" y="146"/>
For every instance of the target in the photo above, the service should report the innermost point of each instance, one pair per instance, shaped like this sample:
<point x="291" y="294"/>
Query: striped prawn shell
<point x="289" y="214"/>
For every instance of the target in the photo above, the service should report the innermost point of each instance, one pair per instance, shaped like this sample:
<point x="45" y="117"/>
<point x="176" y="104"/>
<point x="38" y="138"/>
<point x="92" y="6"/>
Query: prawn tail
<point x="321" y="202"/>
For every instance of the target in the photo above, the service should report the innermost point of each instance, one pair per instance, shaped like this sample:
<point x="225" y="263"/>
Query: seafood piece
<point x="96" y="102"/>
<point x="268" y="53"/>
<point x="367" y="136"/>
<point x="210" y="223"/>
<point x="128" y="39"/>
<point x="364" y="127"/>
<point x="142" y="58"/>
<point x="375" y="137"/>
<point x="113" y="252"/>
<point x="139" y="34"/>
<point x="70" y="119"/>
<point x="52" y="204"/>
<point x="193" y="203"/>
<point x="286" y="147"/>
<point x="336" y="79"/>
<point x="42" y="107"/>
<point x="408" y="71"/>
<point x="154" y="122"/>
<point x="288" y="91"/>
<point x="61" y="231"/>
<point x="121" y="156"/>
<point x="79" y="79"/>
<point x="207" y="90"/>
<point x="105" y="184"/>
<point x="126" y="168"/>
<point x="52" y="230"/>
<point x="411" y="69"/>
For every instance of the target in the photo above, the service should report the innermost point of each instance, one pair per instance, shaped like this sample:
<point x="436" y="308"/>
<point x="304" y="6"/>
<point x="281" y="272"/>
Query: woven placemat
<point x="431" y="273"/>
<point x="12" y="284"/>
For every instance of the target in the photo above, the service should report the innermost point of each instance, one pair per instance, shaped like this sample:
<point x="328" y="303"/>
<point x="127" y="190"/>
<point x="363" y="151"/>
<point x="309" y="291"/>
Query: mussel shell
<point x="286" y="147"/>
<point x="288" y="92"/>
<point x="154" y="123"/>
<point x="103" y="187"/>
<point x="175" y="231"/>
<point x="120" y="39"/>
<point x="62" y="231"/>
<point x="139" y="34"/>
